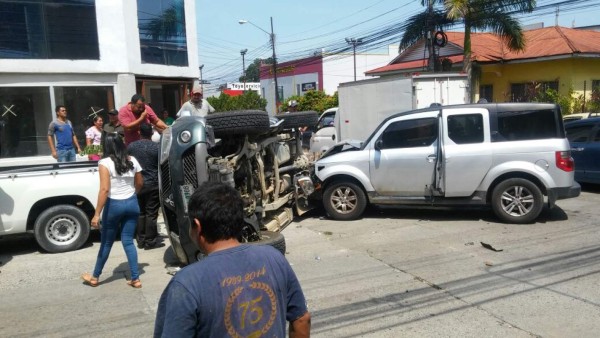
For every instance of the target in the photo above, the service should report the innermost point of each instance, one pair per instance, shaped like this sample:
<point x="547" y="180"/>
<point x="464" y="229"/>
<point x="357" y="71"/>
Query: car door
<point x="584" y="138"/>
<point x="403" y="155"/>
<point x="578" y="134"/>
<point x="467" y="154"/>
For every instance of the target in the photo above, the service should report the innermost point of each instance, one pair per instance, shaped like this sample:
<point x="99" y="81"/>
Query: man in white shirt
<point x="197" y="105"/>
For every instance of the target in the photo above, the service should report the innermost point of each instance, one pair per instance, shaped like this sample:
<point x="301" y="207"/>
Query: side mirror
<point x="378" y="144"/>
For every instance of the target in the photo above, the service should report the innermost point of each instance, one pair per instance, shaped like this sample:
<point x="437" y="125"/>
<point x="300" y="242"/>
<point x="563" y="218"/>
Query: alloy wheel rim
<point x="517" y="201"/>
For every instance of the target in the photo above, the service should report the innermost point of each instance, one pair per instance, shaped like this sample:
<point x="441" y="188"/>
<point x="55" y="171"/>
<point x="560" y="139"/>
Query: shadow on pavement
<point x="439" y="213"/>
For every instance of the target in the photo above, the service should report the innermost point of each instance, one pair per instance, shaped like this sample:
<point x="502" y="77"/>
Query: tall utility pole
<point x="272" y="37"/>
<point x="201" y="81"/>
<point x="354" y="42"/>
<point x="243" y="52"/>
<point x="274" y="68"/>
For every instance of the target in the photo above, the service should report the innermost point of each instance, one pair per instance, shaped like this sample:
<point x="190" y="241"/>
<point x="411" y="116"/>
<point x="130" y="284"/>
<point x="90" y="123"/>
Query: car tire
<point x="242" y="122"/>
<point x="344" y="201"/>
<point x="517" y="201"/>
<point x="274" y="239"/>
<point x="299" y="119"/>
<point x="62" y="228"/>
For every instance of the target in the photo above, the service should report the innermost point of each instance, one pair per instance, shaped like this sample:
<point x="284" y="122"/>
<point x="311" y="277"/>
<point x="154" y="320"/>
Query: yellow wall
<point x="571" y="72"/>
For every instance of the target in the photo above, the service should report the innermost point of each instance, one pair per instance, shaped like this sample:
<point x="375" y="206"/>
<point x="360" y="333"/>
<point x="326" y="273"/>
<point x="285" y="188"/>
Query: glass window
<point x="579" y="133"/>
<point x="526" y="92"/>
<point x="25" y="114"/>
<point x="410" y="133"/>
<point x="48" y="29"/>
<point x="527" y="125"/>
<point x="83" y="103"/>
<point x="161" y="24"/>
<point x="486" y="92"/>
<point x="465" y="129"/>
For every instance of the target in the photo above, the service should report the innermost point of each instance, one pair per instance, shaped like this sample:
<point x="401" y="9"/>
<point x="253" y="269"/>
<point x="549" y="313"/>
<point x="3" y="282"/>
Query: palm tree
<point x="489" y="15"/>
<point x="473" y="14"/>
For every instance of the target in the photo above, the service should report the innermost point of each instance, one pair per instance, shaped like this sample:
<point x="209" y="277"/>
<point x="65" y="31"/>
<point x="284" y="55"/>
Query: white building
<point x="322" y="72"/>
<point x="91" y="56"/>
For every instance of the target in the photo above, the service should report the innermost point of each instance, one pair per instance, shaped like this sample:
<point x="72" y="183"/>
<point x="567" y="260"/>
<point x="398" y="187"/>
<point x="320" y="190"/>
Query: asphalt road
<point x="396" y="272"/>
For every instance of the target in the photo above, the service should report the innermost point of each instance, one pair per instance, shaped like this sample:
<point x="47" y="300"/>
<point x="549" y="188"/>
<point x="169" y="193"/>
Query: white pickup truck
<point x="54" y="201"/>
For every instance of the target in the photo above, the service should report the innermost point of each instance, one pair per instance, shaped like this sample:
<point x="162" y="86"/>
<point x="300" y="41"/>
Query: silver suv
<point x="507" y="155"/>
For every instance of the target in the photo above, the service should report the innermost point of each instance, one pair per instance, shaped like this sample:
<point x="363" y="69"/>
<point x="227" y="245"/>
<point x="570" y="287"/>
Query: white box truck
<point x="364" y="104"/>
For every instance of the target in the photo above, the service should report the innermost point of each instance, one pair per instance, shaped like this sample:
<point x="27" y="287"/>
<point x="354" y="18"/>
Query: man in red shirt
<point x="136" y="112"/>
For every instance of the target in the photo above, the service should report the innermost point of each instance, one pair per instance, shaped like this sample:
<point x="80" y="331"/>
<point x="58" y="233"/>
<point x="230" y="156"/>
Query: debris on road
<point x="487" y="246"/>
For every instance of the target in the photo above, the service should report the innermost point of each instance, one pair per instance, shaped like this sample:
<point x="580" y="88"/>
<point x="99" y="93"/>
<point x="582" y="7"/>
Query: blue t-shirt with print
<point x="247" y="291"/>
<point x="63" y="132"/>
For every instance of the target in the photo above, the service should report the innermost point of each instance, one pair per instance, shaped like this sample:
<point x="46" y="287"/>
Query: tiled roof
<point x="409" y="65"/>
<point x="552" y="41"/>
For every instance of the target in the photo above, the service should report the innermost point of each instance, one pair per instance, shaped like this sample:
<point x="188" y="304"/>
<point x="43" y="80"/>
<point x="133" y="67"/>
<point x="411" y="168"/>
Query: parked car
<point x="584" y="137"/>
<point x="579" y="116"/>
<point x="505" y="155"/>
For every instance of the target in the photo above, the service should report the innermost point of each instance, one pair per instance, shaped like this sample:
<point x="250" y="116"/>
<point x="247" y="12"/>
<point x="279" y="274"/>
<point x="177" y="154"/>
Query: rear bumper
<point x="555" y="194"/>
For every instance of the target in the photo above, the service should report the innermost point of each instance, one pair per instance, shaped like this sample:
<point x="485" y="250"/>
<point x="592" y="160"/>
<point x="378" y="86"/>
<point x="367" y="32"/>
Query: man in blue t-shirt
<point x="237" y="290"/>
<point x="66" y="141"/>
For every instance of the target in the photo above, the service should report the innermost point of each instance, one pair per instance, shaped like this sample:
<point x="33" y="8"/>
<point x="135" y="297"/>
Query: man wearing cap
<point x="136" y="112"/>
<point x="113" y="126"/>
<point x="197" y="105"/>
<point x="292" y="106"/>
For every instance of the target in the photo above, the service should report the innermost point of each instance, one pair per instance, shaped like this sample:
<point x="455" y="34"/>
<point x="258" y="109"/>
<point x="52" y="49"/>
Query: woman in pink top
<point x="94" y="134"/>
<point x="120" y="180"/>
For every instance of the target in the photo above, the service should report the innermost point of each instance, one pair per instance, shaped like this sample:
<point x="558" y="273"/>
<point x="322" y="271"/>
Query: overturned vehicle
<point x="258" y="155"/>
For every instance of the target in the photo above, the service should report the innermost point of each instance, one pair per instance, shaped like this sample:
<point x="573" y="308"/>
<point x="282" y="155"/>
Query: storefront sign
<point x="240" y="86"/>
<point x="309" y="86"/>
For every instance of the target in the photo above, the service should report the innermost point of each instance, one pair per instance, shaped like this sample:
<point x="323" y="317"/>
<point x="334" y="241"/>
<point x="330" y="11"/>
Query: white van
<point x="324" y="136"/>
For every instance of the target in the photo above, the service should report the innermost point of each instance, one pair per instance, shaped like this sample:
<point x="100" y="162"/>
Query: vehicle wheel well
<point x="510" y="175"/>
<point x="344" y="178"/>
<point x="74" y="200"/>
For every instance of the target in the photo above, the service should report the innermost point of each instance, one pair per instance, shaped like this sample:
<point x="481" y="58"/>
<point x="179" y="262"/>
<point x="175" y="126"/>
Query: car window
<point x="326" y="121"/>
<point x="465" y="129"/>
<point x="527" y="125"/>
<point x="410" y="133"/>
<point x="596" y="137"/>
<point x="579" y="133"/>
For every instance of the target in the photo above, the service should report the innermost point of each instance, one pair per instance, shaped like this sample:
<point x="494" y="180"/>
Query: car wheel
<point x="274" y="239"/>
<point x="517" y="200"/>
<point x="243" y="122"/>
<point x="344" y="201"/>
<point x="299" y="119"/>
<point x="62" y="228"/>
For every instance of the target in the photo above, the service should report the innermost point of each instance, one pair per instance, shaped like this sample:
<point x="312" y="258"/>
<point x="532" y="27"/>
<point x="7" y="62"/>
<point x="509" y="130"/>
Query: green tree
<point x="315" y="100"/>
<point x="248" y="100"/>
<point x="253" y="70"/>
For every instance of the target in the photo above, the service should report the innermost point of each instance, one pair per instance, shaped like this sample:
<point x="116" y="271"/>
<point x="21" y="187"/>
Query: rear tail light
<point x="564" y="161"/>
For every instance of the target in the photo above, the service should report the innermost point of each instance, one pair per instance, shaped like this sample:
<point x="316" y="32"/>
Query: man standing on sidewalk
<point x="197" y="105"/>
<point x="136" y="112"/>
<point x="66" y="141"/>
<point x="113" y="126"/>
<point x="146" y="152"/>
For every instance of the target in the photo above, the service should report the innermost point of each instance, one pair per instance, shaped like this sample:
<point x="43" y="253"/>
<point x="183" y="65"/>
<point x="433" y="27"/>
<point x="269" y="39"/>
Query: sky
<point x="303" y="27"/>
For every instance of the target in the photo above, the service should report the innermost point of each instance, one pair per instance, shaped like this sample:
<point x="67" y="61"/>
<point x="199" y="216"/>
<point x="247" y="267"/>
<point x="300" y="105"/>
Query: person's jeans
<point x="117" y="213"/>
<point x="147" y="229"/>
<point x="66" y="155"/>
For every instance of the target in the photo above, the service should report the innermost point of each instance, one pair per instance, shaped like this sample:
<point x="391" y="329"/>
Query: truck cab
<point x="325" y="135"/>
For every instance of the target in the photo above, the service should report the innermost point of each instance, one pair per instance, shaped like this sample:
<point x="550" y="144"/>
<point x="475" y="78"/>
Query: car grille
<point x="190" y="176"/>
